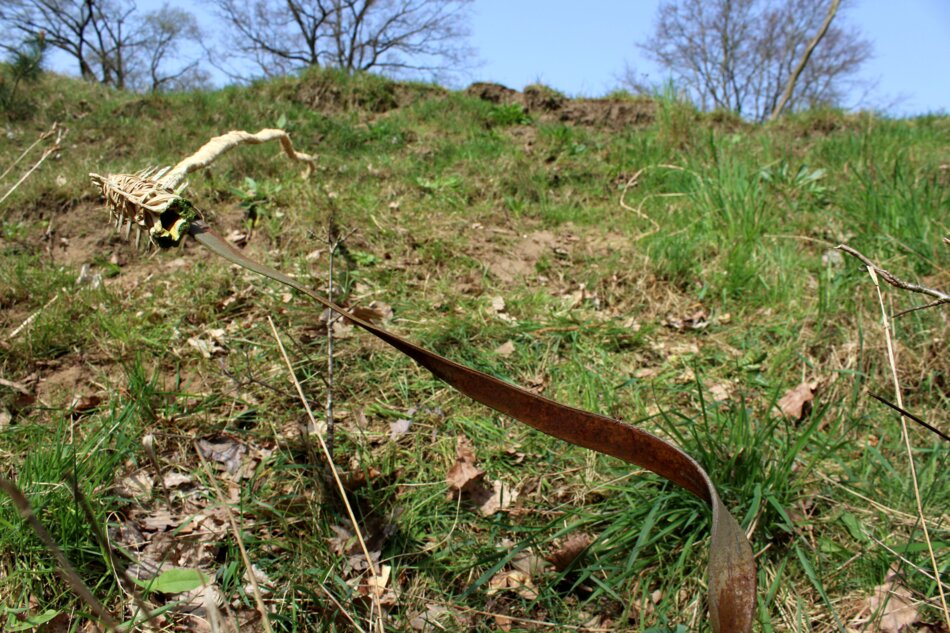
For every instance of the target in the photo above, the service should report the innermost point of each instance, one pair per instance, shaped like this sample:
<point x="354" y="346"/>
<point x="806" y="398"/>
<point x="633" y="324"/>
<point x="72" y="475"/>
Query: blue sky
<point x="582" y="51"/>
<point x="580" y="48"/>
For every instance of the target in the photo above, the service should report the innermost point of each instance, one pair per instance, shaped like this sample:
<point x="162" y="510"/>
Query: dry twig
<point x="52" y="149"/>
<point x="872" y="271"/>
<point x="236" y="532"/>
<point x="42" y="137"/>
<point x="65" y="568"/>
<point x="941" y="297"/>
<point x="336" y="476"/>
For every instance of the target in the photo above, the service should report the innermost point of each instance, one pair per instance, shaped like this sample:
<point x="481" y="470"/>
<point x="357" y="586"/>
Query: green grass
<point x="448" y="194"/>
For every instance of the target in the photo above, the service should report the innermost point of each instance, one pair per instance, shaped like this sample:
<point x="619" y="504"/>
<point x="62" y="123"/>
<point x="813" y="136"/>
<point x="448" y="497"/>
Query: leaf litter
<point x="796" y="404"/>
<point x="171" y="546"/>
<point x="467" y="481"/>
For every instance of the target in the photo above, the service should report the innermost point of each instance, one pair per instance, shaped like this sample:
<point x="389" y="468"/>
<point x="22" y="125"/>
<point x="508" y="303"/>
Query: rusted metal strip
<point x="731" y="568"/>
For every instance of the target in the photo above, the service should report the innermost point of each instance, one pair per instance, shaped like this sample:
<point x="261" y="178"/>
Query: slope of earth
<point x="632" y="257"/>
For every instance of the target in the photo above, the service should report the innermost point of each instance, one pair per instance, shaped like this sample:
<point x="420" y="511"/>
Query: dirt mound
<point x="329" y="91"/>
<point x="495" y="93"/>
<point x="550" y="105"/>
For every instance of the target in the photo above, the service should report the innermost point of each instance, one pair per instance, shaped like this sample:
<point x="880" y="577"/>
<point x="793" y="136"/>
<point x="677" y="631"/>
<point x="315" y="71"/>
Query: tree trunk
<point x="790" y="86"/>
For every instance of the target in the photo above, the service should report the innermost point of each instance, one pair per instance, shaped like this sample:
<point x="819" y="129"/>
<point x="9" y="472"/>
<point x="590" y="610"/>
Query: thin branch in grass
<point x="15" y="386"/>
<point x="64" y="567"/>
<point x="339" y="606"/>
<point x="29" y="320"/>
<point x="920" y="570"/>
<point x="333" y="471"/>
<point x="941" y="297"/>
<point x="236" y="532"/>
<point x="42" y="137"/>
<point x="334" y="241"/>
<point x="913" y="417"/>
<point x="886" y="322"/>
<point x="52" y="149"/>
<point x="117" y="567"/>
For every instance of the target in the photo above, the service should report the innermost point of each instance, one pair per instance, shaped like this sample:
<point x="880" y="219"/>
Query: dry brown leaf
<point x="376" y="312"/>
<point x="721" y="391"/>
<point x="899" y="611"/>
<point x="174" y="479"/>
<point x="377" y="587"/>
<point x="696" y="320"/>
<point x="82" y="405"/>
<point x="512" y="580"/>
<point x="136" y="486"/>
<point x="399" y="428"/>
<point x="498" y="499"/>
<point x="207" y="348"/>
<point x="377" y="584"/>
<point x="796" y="403"/>
<point x="569" y="549"/>
<point x="343" y="540"/>
<point x="224" y="450"/>
<point x="463" y="473"/>
<point x="506" y="349"/>
<point x="502" y="621"/>
<point x="528" y="562"/>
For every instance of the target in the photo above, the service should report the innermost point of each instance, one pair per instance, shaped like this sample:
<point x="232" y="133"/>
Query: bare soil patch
<point x="549" y="105"/>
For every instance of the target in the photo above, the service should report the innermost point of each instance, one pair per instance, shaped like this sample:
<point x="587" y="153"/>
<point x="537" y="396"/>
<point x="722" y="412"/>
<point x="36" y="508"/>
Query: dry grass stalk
<point x="236" y="533"/>
<point x="52" y="149"/>
<point x="42" y="137"/>
<point x="336" y="477"/>
<point x="65" y="568"/>
<point x="886" y="322"/>
<point x="29" y="320"/>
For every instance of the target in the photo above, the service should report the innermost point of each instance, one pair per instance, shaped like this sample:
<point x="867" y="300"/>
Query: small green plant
<point x="796" y="182"/>
<point x="505" y="114"/>
<point x="24" y="67"/>
<point x="255" y="198"/>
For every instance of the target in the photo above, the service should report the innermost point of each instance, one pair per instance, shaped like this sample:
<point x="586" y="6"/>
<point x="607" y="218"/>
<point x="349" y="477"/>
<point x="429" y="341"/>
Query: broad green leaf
<point x="176" y="580"/>
<point x="31" y="622"/>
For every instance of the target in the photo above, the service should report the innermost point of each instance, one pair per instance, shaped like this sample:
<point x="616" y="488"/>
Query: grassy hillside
<point x="634" y="258"/>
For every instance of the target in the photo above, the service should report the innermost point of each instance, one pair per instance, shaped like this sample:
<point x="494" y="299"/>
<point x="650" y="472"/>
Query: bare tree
<point x="740" y="55"/>
<point x="159" y="63"/>
<point x="110" y="40"/>
<point x="393" y="36"/>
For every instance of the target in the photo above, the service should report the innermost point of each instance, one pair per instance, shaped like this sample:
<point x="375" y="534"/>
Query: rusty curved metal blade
<point x="732" y="580"/>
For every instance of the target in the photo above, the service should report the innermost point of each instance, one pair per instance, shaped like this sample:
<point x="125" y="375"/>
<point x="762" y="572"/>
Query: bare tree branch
<point x="941" y="297"/>
<point x="397" y="36"/>
<point x="742" y="55"/>
<point x="111" y="40"/>
<point x="790" y="86"/>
